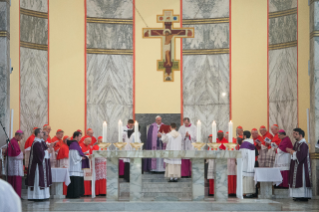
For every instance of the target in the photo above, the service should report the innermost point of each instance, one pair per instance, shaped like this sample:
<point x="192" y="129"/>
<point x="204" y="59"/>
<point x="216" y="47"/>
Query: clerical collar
<point x="37" y="139"/>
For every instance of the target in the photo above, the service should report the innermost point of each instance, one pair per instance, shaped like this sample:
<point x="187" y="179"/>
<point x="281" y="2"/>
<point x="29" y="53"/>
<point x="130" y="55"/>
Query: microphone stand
<point x="8" y="141"/>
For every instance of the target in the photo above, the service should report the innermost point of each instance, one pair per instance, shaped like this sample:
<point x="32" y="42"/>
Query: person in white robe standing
<point x="188" y="133"/>
<point x="174" y="142"/>
<point x="128" y="131"/>
<point x="248" y="163"/>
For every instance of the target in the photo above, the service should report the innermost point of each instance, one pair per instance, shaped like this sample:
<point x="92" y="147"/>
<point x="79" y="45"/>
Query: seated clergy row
<point x="42" y="153"/>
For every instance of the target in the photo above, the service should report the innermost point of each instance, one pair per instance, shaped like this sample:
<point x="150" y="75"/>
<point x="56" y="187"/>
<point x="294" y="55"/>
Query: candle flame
<point x="120" y="122"/>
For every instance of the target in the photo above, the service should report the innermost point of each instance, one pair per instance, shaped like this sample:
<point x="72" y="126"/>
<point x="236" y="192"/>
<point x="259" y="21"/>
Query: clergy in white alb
<point x="248" y="163"/>
<point x="173" y="165"/>
<point x="188" y="133"/>
<point x="9" y="200"/>
<point x="300" y="185"/>
<point x="128" y="130"/>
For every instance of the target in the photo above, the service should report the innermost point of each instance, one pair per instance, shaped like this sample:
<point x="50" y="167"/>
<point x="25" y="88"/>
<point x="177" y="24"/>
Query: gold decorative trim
<point x="205" y="21"/>
<point x="110" y="51"/>
<point x="33" y="46"/>
<point x="5" y="34"/>
<point x="33" y="13"/>
<point x="282" y="45"/>
<point x="205" y="51"/>
<point x="108" y="20"/>
<point x="314" y="155"/>
<point x="314" y="34"/>
<point x="283" y="13"/>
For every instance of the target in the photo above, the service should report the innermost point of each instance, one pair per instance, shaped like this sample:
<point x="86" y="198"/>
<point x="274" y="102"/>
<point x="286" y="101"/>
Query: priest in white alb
<point x="188" y="133"/>
<point x="174" y="142"/>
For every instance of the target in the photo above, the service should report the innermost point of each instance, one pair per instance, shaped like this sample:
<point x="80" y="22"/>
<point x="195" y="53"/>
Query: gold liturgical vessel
<point x="213" y="146"/>
<point x="120" y="145"/>
<point x="137" y="146"/>
<point x="198" y="145"/>
<point x="104" y="146"/>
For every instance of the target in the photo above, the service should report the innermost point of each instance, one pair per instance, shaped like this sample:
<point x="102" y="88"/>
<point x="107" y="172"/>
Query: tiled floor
<point x="288" y="205"/>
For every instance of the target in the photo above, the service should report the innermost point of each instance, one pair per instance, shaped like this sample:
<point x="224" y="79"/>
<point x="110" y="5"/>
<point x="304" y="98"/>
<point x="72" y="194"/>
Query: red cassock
<point x="276" y="139"/>
<point x="87" y="183"/>
<point x="86" y="136"/>
<point x="29" y="141"/>
<point x="232" y="179"/>
<point x="58" y="144"/>
<point x="48" y="139"/>
<point x="63" y="153"/>
<point x="267" y="135"/>
<point x="100" y="185"/>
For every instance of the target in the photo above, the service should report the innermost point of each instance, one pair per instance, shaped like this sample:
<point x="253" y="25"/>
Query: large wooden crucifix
<point x="168" y="34"/>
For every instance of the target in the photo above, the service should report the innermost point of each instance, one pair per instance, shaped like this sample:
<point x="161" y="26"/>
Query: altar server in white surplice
<point x="174" y="142"/>
<point x="188" y="133"/>
<point x="248" y="163"/>
<point x="128" y="130"/>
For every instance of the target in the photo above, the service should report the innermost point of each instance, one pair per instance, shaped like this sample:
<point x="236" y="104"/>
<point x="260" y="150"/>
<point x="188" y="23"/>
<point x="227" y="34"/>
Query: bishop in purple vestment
<point x="154" y="142"/>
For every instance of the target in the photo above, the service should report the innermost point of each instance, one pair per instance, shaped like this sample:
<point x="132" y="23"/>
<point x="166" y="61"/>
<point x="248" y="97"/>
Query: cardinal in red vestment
<point x="86" y="149"/>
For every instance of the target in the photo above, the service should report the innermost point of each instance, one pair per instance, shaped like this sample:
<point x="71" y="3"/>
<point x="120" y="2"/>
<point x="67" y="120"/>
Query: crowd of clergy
<point x="259" y="148"/>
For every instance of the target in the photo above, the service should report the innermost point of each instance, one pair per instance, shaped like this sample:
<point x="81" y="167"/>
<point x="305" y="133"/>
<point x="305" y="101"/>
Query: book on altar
<point x="165" y="129"/>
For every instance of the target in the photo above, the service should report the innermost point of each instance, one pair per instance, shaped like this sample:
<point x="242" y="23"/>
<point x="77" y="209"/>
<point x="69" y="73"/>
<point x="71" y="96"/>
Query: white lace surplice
<point x="16" y="165"/>
<point x="282" y="160"/>
<point x="100" y="168"/>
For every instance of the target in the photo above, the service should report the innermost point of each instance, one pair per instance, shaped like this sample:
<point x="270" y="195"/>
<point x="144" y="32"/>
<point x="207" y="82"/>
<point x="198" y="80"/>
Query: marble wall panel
<point x="3" y="16"/>
<point x="36" y="5"/>
<point x="311" y="17"/>
<point x="283" y="29"/>
<point x="221" y="182"/>
<point x="4" y="88"/>
<point x="121" y="9"/>
<point x="109" y="92"/>
<point x="206" y="90"/>
<point x="33" y="29"/>
<point x="109" y="36"/>
<point x="199" y="9"/>
<point x="316" y="85"/>
<point x="208" y="36"/>
<point x="206" y="79"/>
<point x="33" y="89"/>
<point x="283" y="74"/>
<point x="146" y="119"/>
<point x="285" y="114"/>
<point x="280" y="5"/>
<point x="315" y="16"/>
<point x="312" y="95"/>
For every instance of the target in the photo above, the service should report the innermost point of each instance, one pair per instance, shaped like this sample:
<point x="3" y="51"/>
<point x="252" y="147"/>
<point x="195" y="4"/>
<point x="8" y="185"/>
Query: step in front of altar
<point x="102" y="204"/>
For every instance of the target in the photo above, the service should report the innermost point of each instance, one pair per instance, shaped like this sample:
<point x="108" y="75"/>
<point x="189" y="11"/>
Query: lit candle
<point x="136" y="132"/>
<point x="214" y="132"/>
<point x="104" y="132"/>
<point x="120" y="139"/>
<point x="199" y="136"/>
<point x="230" y="132"/>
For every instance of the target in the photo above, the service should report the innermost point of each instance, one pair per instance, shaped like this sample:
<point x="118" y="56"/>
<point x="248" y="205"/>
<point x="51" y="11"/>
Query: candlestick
<point x="199" y="136"/>
<point x="104" y="132"/>
<point x="136" y="140"/>
<point x="214" y="132"/>
<point x="120" y="131"/>
<point x="230" y="132"/>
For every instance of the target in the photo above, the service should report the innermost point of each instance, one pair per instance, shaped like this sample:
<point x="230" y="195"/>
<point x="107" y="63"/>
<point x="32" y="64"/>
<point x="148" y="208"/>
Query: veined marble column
<point x="112" y="178"/>
<point x="314" y="92"/>
<point x="4" y="68"/>
<point x="221" y="179"/>
<point x="135" y="179"/>
<point x="198" y="179"/>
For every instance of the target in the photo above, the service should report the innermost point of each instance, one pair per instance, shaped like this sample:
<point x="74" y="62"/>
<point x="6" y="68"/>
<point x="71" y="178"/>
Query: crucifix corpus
<point x="168" y="34"/>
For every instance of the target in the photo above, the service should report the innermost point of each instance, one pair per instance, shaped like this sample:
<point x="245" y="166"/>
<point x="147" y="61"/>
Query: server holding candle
<point x="189" y="135"/>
